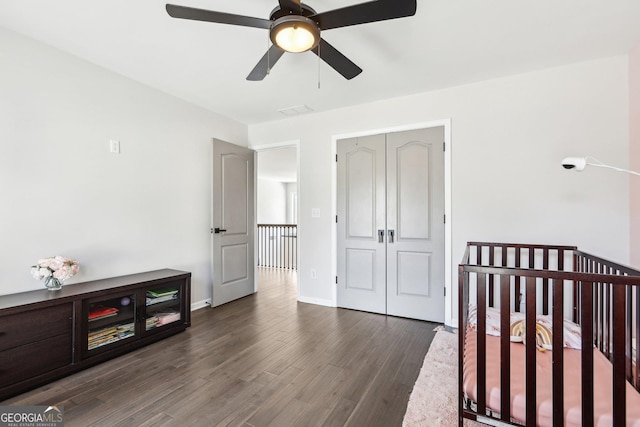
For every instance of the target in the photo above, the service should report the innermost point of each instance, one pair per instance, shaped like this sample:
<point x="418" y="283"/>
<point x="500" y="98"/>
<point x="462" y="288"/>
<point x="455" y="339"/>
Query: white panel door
<point x="361" y="206"/>
<point x="391" y="224"/>
<point x="233" y="222"/>
<point x="415" y="224"/>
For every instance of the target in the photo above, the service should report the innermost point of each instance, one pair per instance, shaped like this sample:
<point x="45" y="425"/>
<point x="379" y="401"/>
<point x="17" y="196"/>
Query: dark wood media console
<point x="46" y="335"/>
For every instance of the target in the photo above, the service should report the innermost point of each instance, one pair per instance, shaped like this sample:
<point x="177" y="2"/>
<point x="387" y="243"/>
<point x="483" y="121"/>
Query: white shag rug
<point x="434" y="398"/>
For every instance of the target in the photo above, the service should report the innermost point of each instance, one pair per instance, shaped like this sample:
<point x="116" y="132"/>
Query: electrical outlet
<point x="314" y="273"/>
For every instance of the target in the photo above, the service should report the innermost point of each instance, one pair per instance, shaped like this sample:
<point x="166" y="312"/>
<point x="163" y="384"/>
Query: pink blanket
<point x="572" y="384"/>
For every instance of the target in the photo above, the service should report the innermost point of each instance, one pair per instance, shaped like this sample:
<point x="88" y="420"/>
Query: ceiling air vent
<point x="294" y="111"/>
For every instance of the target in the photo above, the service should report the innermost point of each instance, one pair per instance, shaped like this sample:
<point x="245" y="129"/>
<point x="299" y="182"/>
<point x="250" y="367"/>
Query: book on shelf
<point x="102" y="337"/>
<point x="100" y="312"/>
<point x="168" y="317"/>
<point x="127" y="330"/>
<point x="111" y="334"/>
<point x="159" y="319"/>
<point x="161" y="292"/>
<point x="164" y="298"/>
<point x="152" y="322"/>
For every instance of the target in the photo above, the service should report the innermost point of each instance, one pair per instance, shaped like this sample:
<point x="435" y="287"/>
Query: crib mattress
<point x="572" y="383"/>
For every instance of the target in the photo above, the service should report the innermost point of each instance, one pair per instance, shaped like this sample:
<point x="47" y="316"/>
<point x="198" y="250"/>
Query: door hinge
<point x="336" y="157"/>
<point x="445" y="292"/>
<point x="336" y="280"/>
<point x="444" y="218"/>
<point x="444" y="146"/>
<point x="336" y="219"/>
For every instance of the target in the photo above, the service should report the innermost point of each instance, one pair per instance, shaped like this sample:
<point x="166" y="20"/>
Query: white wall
<point x="272" y="202"/>
<point x="508" y="137"/>
<point x="63" y="193"/>
<point x="634" y="152"/>
<point x="291" y="190"/>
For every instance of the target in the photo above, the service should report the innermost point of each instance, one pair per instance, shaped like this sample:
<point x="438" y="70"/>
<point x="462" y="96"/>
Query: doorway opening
<point x="277" y="190"/>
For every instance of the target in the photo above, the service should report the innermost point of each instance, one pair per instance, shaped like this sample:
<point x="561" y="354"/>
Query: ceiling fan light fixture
<point x="295" y="33"/>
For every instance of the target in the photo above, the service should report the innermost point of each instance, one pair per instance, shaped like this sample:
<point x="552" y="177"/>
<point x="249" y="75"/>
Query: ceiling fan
<point x="295" y="27"/>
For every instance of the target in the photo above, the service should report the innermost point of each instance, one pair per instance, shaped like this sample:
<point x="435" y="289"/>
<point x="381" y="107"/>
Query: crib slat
<point x="482" y="343"/>
<point x="577" y="266"/>
<point x="557" y="354"/>
<point x="598" y="302"/>
<point x="629" y="310"/>
<point x="586" y="318"/>
<point x="619" y="383"/>
<point x="636" y="381"/>
<point x="505" y="349"/>
<point x="607" y="318"/>
<point x="491" y="287"/>
<point x="517" y="291"/>
<point x="545" y="282"/>
<point x="504" y="256"/>
<point x="463" y="310"/>
<point x="530" y="354"/>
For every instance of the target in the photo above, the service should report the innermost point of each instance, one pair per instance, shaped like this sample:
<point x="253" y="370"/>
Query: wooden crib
<point x="582" y="299"/>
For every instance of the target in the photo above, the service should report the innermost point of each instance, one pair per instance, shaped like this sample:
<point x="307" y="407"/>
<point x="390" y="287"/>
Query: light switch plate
<point x="114" y="146"/>
<point x="315" y="213"/>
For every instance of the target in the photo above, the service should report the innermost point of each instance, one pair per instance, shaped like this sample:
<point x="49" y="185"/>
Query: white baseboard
<point x="200" y="304"/>
<point x="207" y="302"/>
<point x="452" y="322"/>
<point x="317" y="301"/>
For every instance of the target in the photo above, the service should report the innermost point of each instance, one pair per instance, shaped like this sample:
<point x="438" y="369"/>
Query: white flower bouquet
<point x="54" y="270"/>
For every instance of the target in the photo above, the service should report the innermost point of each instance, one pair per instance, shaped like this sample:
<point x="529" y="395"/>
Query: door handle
<point x="390" y="233"/>
<point x="380" y="236"/>
<point x="219" y="230"/>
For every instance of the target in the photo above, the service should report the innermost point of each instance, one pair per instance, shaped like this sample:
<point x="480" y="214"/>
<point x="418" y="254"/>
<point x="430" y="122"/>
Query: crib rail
<point x="563" y="282"/>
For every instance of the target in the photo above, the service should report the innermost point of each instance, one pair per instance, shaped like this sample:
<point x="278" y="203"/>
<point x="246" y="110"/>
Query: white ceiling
<point x="447" y="43"/>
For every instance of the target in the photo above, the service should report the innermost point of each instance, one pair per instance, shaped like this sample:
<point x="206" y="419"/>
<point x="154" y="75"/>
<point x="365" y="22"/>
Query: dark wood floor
<point x="264" y="360"/>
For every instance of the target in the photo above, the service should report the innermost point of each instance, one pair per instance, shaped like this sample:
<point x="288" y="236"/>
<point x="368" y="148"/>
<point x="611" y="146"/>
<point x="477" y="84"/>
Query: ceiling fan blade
<point x="336" y="60"/>
<point x="291" y="5"/>
<point x="267" y="62"/>
<point x="184" y="12"/>
<point x="363" y="13"/>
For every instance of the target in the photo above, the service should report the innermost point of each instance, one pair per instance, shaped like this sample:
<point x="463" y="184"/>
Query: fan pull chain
<point x="319" y="61"/>
<point x="268" y="55"/>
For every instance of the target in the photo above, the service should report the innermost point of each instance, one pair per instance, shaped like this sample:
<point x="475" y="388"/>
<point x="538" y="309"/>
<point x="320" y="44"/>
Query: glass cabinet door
<point x="110" y="320"/>
<point x="162" y="305"/>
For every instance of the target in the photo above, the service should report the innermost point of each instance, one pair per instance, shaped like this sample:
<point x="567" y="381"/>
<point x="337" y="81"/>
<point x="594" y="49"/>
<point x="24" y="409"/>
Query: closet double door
<point x="390" y="224"/>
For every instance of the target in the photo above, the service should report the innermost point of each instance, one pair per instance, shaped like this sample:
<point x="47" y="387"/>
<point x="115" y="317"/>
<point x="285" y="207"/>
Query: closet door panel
<point x="361" y="183"/>
<point x="361" y="213"/>
<point x="410" y="195"/>
<point x="413" y="267"/>
<point x="415" y="213"/>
